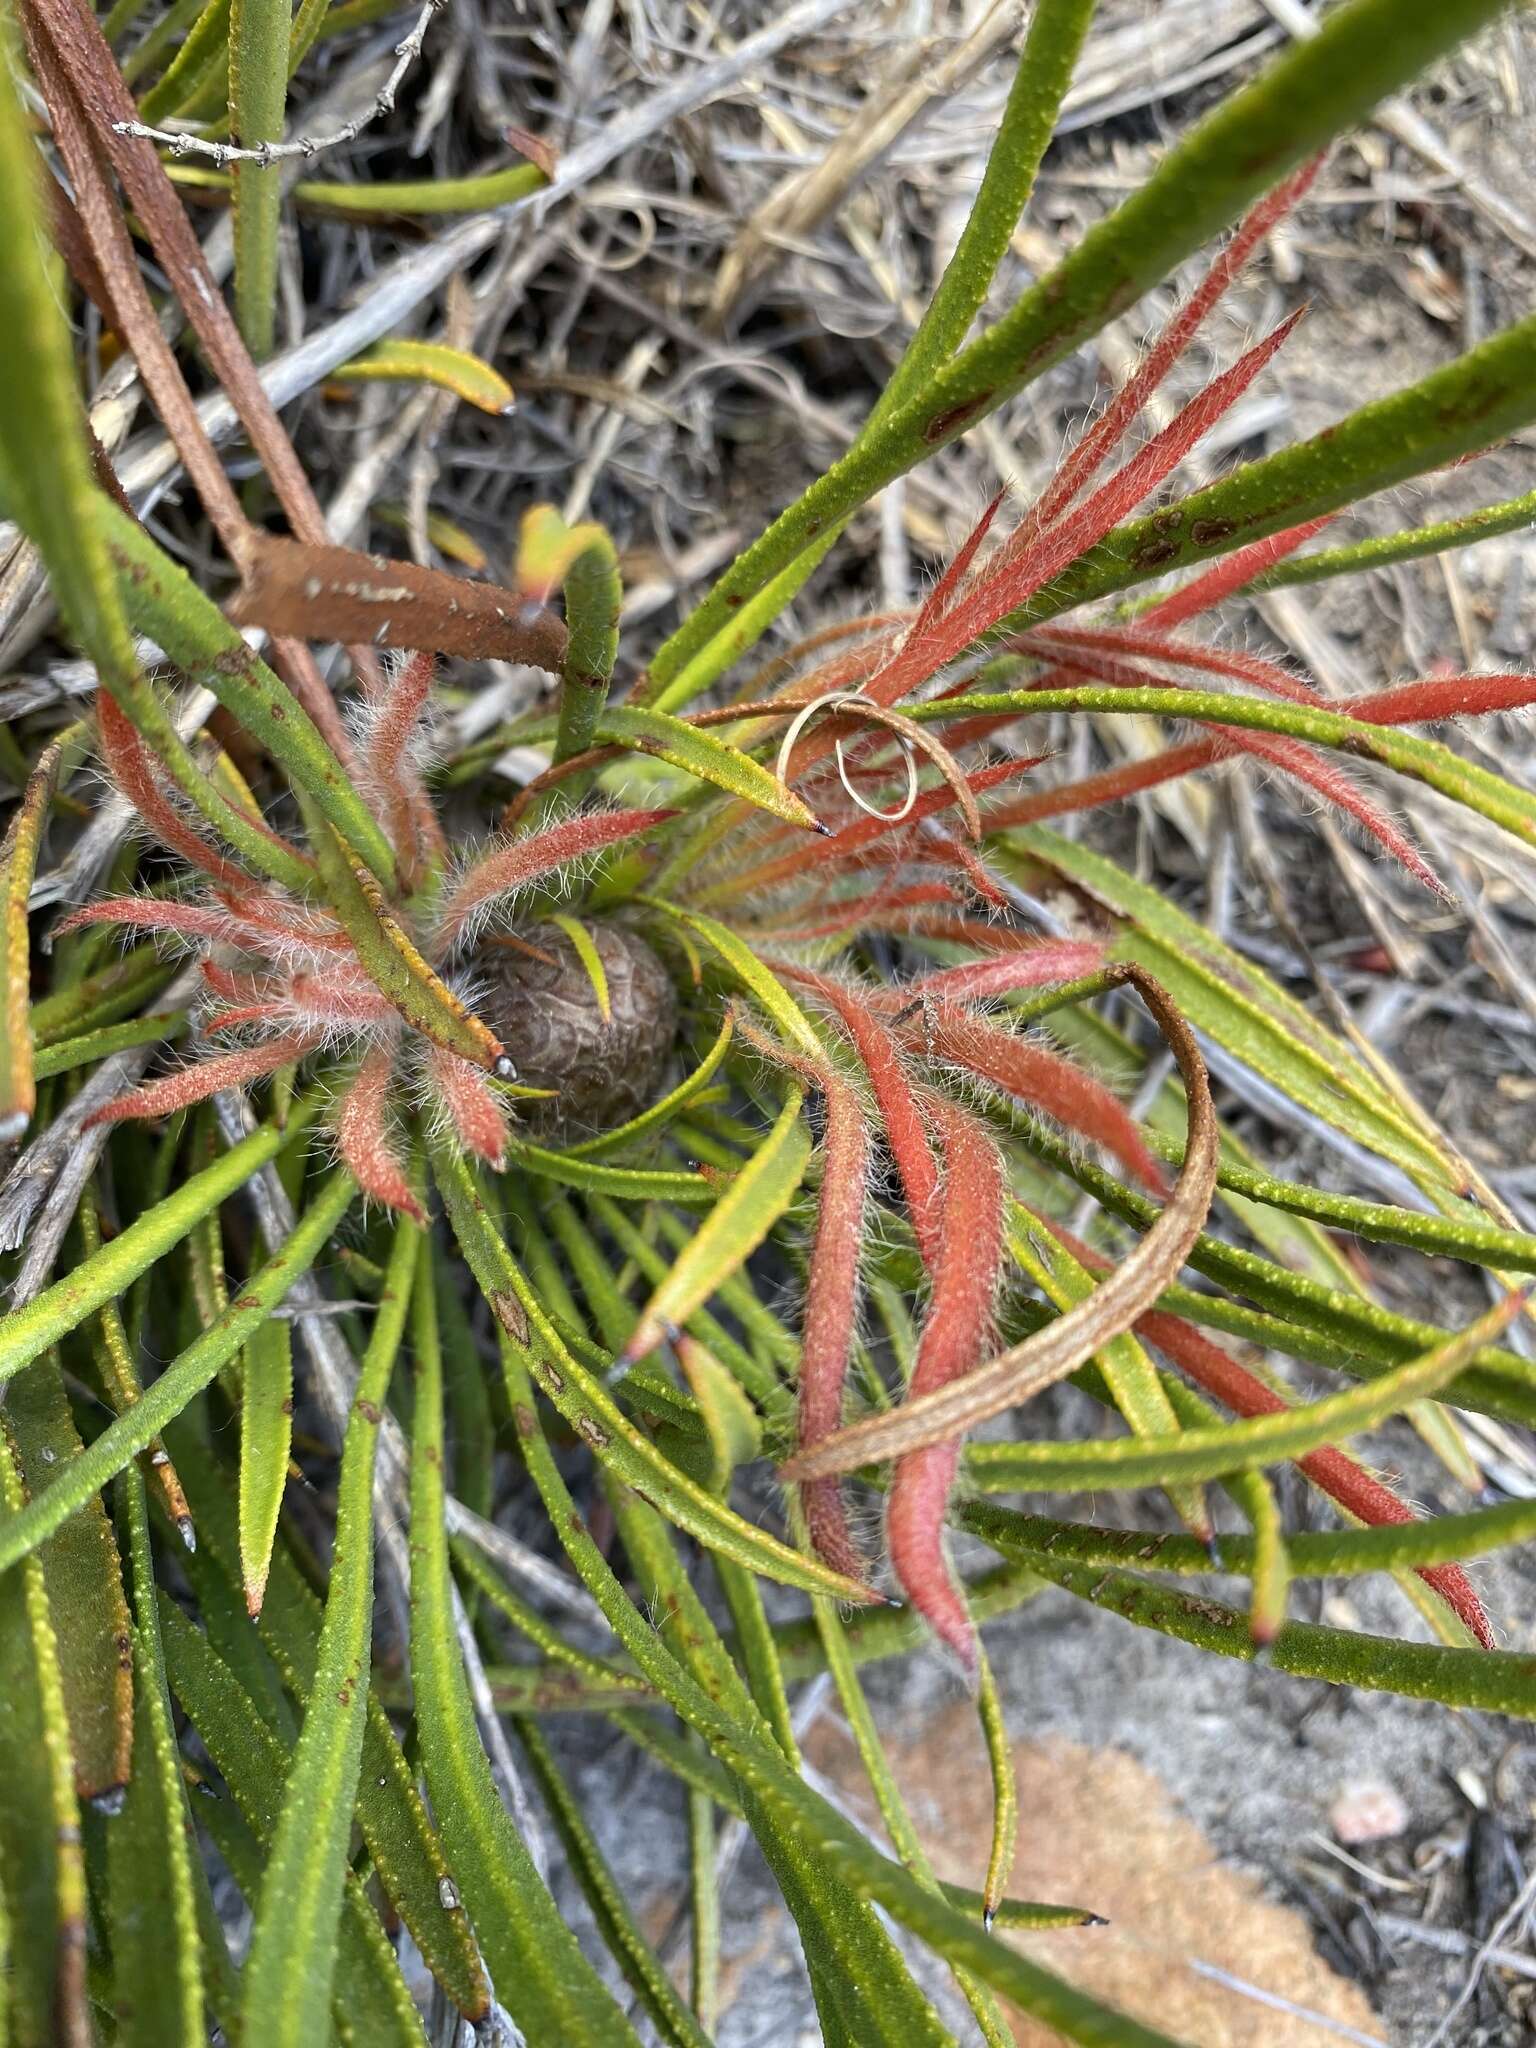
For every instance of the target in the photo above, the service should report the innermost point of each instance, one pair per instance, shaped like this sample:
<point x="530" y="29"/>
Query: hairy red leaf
<point x="1208" y="589"/>
<point x="853" y="841"/>
<point x="1334" y="1471"/>
<point x="206" y="1077"/>
<point x="128" y="762"/>
<point x="1042" y="1079"/>
<point x="509" y="868"/>
<point x="183" y="920"/>
<point x="470" y="1106"/>
<point x="1033" y="556"/>
<point x="895" y="1093"/>
<point x="363" y="1139"/>
<point x="831" y="1310"/>
<point x="1434" y="697"/>
<point x="1109" y="786"/>
<point x="1127" y="403"/>
<point x="954" y="1338"/>
<point x="1028" y="966"/>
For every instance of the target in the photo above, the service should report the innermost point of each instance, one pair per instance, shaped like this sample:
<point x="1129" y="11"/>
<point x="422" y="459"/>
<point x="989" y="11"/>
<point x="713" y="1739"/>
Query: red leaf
<point x="954" y="1337"/>
<point x="1296" y="759"/>
<point x="393" y="718"/>
<point x="895" y="1093"/>
<point x="1029" y="966"/>
<point x="854" y="840"/>
<point x="509" y="868"/>
<point x="1442" y="697"/>
<point x="1042" y="1079"/>
<point x="185" y="920"/>
<point x="1107" y="787"/>
<point x="362" y="1135"/>
<point x="471" y="1108"/>
<point x="131" y="768"/>
<point x="1207" y="590"/>
<point x="1337" y="1474"/>
<point x="831" y="1312"/>
<point x="1032" y="557"/>
<point x="937" y="601"/>
<point x="1115" y="421"/>
<point x="196" y="1083"/>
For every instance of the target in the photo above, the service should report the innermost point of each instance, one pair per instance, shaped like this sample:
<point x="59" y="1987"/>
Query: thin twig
<point x="180" y="144"/>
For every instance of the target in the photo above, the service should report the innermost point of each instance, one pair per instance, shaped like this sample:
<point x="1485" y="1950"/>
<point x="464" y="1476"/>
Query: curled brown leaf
<point x="1049" y="1354"/>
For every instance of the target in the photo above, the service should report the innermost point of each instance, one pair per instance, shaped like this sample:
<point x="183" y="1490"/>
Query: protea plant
<point x="716" y="1111"/>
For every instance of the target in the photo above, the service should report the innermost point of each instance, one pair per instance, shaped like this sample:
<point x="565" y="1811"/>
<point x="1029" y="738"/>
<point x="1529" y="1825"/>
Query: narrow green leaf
<point x="1380" y="549"/>
<point x="701" y="755"/>
<point x="45" y="470"/>
<point x="1496" y="1681"/>
<point x="1256" y="1499"/>
<point x="406" y="1855"/>
<point x="704" y="1910"/>
<point x="1314" y="1554"/>
<point x="623" y="1183"/>
<point x="152" y="1881"/>
<point x="850" y="1869"/>
<point x="100" y="999"/>
<point x="1466" y="1236"/>
<point x="90" y="1046"/>
<point x="1005" y="1791"/>
<point x="266" y="1438"/>
<point x="593" y="594"/>
<point x="291" y="1966"/>
<point x="540" y="1973"/>
<point x="605" y="1896"/>
<point x="183" y="1379"/>
<point x="18" y="865"/>
<point x="429" y="362"/>
<point x="202" y="58"/>
<point x="694" y="1766"/>
<point x="893" y="1808"/>
<point x="370" y="1995"/>
<point x="258" y="90"/>
<point x="40" y="1862"/>
<point x="27" y="1332"/>
<point x="84" y="1581"/>
<point x="626" y="1450"/>
<point x="1046" y="62"/>
<point x="862" y="1991"/>
<point x="590" y="958"/>
<point x="1237" y="1446"/>
<point x="733" y="1229"/>
<point x="418" y="195"/>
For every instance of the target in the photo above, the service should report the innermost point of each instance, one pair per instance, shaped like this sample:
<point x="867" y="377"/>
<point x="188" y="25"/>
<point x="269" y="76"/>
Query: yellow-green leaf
<point x="430" y="362"/>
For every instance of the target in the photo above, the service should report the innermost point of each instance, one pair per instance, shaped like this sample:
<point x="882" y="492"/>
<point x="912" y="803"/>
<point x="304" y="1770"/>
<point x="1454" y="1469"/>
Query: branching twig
<point x="181" y="144"/>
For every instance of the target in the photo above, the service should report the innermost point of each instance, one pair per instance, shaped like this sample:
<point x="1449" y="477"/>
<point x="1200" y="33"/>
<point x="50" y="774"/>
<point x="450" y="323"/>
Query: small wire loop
<point x="842" y="700"/>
